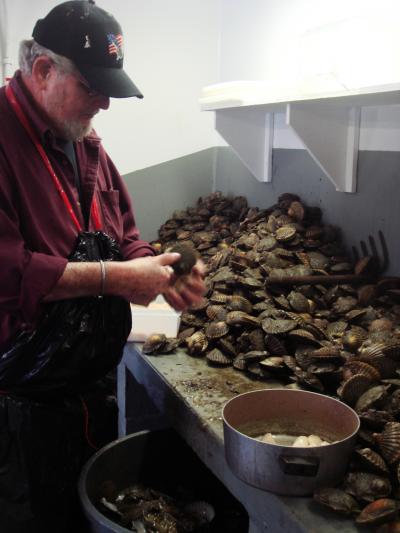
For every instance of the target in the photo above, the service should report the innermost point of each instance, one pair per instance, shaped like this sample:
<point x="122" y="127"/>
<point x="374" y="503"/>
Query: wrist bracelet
<point x="103" y="278"/>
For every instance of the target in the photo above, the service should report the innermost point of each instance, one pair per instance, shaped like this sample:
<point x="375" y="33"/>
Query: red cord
<point x="86" y="424"/>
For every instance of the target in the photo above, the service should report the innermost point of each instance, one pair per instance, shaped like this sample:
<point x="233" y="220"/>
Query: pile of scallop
<point x="285" y="302"/>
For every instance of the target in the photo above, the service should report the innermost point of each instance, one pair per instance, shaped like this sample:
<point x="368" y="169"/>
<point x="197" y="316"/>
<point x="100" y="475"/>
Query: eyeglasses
<point x="85" y="86"/>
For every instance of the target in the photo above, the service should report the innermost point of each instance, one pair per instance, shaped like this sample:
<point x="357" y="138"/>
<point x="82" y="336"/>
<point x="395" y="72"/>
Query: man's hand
<point x="187" y="290"/>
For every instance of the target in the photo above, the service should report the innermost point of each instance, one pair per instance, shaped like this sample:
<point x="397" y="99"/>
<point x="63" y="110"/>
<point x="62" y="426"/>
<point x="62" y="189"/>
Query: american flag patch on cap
<point x="115" y="45"/>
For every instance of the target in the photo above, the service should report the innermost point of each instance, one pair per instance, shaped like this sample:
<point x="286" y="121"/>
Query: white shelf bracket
<point x="330" y="133"/>
<point x="250" y="134"/>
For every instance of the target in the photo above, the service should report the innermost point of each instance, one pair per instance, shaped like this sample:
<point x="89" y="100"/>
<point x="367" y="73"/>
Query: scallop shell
<point x="227" y="346"/>
<point x="354" y="367"/>
<point x="216" y="357"/>
<point x="298" y="302"/>
<point x="371" y="397"/>
<point x="353" y="338"/>
<point x="216" y="329"/>
<point x="239" y="318"/>
<point x="285" y="233"/>
<point x="336" y="329"/>
<point x="239" y="303"/>
<point x="239" y="362"/>
<point x="372" y="460"/>
<point x="273" y="364"/>
<point x="219" y="298"/>
<point x="154" y="343"/>
<point x="216" y="312"/>
<point x="378" y="512"/>
<point x="197" y="343"/>
<point x="274" y="345"/>
<point x="367" y="486"/>
<point x="337" y="500"/>
<point x="256" y="337"/>
<point x="273" y="326"/>
<point x="303" y="335"/>
<point x="326" y="353"/>
<point x="351" y="390"/>
<point x="389" y="442"/>
<point x="367" y="294"/>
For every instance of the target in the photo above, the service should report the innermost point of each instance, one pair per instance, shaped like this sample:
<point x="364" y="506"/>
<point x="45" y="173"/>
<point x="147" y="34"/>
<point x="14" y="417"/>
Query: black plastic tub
<point x="161" y="460"/>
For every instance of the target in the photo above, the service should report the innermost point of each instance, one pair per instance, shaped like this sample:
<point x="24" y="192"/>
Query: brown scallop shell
<point x="372" y="460"/>
<point x="274" y="345"/>
<point x="216" y="357"/>
<point x="337" y="500"/>
<point x="219" y="298"/>
<point x="227" y="346"/>
<point x="197" y="343"/>
<point x="353" y="367"/>
<point x="389" y="442"/>
<point x="154" y="343"/>
<point x="371" y="397"/>
<point x="239" y="318"/>
<point x="378" y="512"/>
<point x="353" y="339"/>
<point x="351" y="390"/>
<point x="239" y="303"/>
<point x="276" y="326"/>
<point x="216" y="312"/>
<point x="216" y="329"/>
<point x="239" y="362"/>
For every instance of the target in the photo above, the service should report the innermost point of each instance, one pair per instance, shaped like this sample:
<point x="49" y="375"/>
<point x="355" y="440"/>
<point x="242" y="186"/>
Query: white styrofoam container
<point x="157" y="317"/>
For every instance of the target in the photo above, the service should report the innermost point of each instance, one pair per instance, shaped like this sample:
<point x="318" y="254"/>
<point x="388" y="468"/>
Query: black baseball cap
<point x="93" y="40"/>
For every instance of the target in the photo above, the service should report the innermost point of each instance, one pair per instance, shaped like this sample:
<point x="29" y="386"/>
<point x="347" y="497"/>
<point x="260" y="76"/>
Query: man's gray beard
<point x="73" y="131"/>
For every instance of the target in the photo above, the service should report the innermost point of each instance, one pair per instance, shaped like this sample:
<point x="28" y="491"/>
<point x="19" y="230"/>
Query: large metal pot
<point x="285" y="469"/>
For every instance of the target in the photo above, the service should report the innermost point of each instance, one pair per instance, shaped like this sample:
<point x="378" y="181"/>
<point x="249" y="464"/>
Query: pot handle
<point x="299" y="466"/>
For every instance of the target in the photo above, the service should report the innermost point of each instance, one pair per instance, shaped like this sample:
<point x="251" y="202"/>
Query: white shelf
<point x="326" y="123"/>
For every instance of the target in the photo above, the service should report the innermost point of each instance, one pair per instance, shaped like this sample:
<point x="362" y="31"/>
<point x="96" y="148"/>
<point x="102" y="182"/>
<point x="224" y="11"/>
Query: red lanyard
<point x="24" y="121"/>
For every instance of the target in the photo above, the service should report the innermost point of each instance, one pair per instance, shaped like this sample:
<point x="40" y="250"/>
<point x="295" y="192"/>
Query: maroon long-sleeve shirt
<point x="36" y="231"/>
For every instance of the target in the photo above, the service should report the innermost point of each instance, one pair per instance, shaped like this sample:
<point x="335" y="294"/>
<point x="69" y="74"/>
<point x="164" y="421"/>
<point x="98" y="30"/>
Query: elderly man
<point x="58" y="190"/>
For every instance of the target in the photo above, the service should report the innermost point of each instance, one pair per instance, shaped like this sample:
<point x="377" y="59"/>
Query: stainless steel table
<point x="187" y="394"/>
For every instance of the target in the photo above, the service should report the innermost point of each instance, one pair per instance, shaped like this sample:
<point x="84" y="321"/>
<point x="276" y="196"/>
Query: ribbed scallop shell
<point x="285" y="233"/>
<point x="372" y="460"/>
<point x="197" y="343"/>
<point x="216" y="312"/>
<point x="386" y="367"/>
<point x="239" y="303"/>
<point x="273" y="326"/>
<point x="353" y="339"/>
<point x="303" y="335"/>
<point x="154" y="343"/>
<point x="239" y="318"/>
<point x="336" y="329"/>
<point x="326" y="353"/>
<point x="216" y="357"/>
<point x="371" y="398"/>
<point x="216" y="329"/>
<point x="298" y="302"/>
<point x="219" y="298"/>
<point x="359" y="367"/>
<point x="239" y="362"/>
<point x="274" y="345"/>
<point x="227" y="346"/>
<point x="351" y="390"/>
<point x="389" y="442"/>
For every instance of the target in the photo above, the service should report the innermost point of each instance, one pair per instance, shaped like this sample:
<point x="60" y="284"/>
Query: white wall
<point x="171" y="52"/>
<point x="316" y="45"/>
